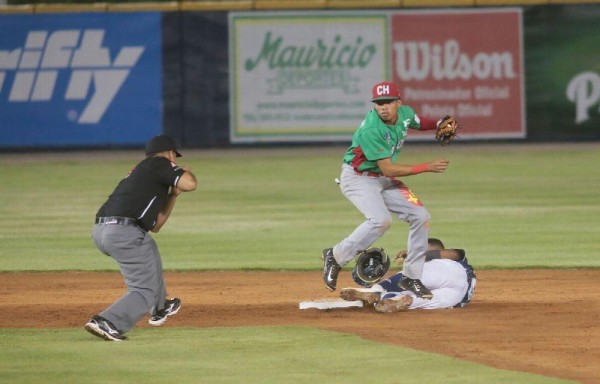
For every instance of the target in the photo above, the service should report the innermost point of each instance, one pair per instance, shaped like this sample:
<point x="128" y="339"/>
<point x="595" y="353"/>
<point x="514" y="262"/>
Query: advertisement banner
<point x="304" y="76"/>
<point x="465" y="63"/>
<point x="563" y="72"/>
<point x="307" y="76"/>
<point x="79" y="79"/>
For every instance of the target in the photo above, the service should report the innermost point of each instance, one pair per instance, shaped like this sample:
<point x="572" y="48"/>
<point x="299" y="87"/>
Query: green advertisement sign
<point x="298" y="76"/>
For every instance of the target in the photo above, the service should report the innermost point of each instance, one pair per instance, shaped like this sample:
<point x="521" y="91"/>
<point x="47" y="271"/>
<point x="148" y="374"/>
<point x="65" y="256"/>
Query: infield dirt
<point x="539" y="321"/>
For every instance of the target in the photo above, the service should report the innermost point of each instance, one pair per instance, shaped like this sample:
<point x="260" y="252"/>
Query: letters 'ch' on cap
<point x="160" y="144"/>
<point x="385" y="91"/>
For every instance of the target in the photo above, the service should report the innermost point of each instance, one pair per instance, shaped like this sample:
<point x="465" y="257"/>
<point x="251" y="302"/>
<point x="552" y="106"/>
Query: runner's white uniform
<point x="447" y="280"/>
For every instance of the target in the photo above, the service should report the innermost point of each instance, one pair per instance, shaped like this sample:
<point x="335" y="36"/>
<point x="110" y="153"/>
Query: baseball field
<point x="243" y="250"/>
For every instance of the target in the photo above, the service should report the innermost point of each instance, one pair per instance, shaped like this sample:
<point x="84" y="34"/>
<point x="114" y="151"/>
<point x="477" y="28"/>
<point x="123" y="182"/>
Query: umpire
<point x="141" y="202"/>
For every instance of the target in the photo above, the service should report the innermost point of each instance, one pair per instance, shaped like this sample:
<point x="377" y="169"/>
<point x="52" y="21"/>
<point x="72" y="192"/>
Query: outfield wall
<point x="113" y="75"/>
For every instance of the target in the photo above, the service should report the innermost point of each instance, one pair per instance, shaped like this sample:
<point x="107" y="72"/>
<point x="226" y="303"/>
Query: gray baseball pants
<point x="137" y="254"/>
<point x="377" y="198"/>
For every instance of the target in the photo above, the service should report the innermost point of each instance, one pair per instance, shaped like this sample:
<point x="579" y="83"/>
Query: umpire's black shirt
<point x="143" y="192"/>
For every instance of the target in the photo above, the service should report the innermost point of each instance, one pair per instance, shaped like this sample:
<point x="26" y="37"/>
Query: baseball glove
<point x="446" y="130"/>
<point x="371" y="265"/>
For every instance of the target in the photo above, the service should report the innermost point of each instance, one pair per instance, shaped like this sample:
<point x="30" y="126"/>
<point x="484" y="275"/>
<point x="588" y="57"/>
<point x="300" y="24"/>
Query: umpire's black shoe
<point x="416" y="287"/>
<point x="331" y="269"/>
<point x="99" y="326"/>
<point x="158" y="318"/>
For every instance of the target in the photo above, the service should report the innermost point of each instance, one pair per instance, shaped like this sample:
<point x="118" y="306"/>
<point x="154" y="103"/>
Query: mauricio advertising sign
<point x="303" y="76"/>
<point x="468" y="66"/>
<point x="79" y="79"/>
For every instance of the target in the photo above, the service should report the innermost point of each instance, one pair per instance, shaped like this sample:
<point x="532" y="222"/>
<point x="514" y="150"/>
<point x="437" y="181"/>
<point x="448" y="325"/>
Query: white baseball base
<point x="330" y="304"/>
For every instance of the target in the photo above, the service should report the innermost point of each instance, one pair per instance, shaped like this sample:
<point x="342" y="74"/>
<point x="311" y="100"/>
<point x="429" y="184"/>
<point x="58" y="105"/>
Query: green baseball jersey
<point x="374" y="140"/>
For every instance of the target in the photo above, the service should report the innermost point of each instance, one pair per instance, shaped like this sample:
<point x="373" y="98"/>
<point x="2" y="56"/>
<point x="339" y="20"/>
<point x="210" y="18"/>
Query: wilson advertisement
<point x="468" y="64"/>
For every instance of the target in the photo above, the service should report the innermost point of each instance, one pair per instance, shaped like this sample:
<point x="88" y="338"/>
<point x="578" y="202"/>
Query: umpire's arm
<point x="186" y="183"/>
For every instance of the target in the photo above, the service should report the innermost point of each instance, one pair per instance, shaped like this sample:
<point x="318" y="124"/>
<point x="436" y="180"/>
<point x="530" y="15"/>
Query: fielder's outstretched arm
<point x="390" y="169"/>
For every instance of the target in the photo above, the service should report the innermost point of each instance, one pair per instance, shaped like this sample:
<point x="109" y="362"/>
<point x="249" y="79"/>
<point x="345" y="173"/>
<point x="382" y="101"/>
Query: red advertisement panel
<point x="467" y="64"/>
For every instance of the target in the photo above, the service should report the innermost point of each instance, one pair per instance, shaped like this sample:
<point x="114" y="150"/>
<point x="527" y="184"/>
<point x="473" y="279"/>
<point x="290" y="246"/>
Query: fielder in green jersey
<point x="369" y="181"/>
<point x="375" y="140"/>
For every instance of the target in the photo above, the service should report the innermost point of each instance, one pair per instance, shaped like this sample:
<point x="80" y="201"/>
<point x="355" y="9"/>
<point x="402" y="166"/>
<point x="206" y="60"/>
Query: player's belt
<point x="366" y="173"/>
<point x="117" y="220"/>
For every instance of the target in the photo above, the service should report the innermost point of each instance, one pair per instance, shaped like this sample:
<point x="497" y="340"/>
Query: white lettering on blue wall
<point x="78" y="54"/>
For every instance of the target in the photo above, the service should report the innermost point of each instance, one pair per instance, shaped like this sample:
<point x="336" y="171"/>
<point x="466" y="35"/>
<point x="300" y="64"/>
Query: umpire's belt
<point x="117" y="220"/>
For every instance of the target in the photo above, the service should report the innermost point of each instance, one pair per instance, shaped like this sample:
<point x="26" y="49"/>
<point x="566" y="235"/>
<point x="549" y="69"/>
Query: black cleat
<point x="172" y="306"/>
<point x="416" y="287"/>
<point x="331" y="269"/>
<point x="99" y="326"/>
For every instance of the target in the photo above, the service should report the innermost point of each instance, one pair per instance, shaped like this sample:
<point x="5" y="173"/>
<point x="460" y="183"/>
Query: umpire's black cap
<point x="161" y="143"/>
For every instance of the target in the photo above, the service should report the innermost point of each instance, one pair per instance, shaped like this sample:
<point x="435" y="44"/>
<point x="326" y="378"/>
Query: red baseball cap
<point x="385" y="90"/>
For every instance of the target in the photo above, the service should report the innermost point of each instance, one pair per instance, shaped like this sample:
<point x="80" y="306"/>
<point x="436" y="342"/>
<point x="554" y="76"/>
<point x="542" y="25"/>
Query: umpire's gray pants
<point x="377" y="198"/>
<point x="141" y="266"/>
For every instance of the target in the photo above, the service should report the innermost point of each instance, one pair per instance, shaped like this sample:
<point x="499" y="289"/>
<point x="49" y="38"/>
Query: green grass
<point x="231" y="355"/>
<point x="508" y="206"/>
